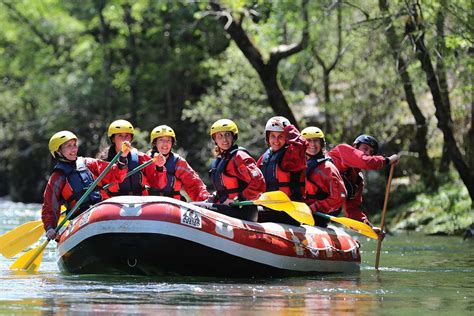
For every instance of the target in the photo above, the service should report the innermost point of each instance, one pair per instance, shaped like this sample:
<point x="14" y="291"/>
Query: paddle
<point x="279" y="201"/>
<point x="31" y="260"/>
<point x="23" y="236"/>
<point x="382" y="224"/>
<point x="359" y="227"/>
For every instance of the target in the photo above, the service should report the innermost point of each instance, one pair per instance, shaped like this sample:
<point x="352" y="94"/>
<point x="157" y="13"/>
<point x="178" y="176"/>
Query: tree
<point x="441" y="100"/>
<point x="266" y="69"/>
<point x="421" y="125"/>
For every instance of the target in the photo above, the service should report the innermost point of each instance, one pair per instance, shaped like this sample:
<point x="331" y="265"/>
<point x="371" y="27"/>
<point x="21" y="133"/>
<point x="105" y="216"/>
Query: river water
<point x="418" y="275"/>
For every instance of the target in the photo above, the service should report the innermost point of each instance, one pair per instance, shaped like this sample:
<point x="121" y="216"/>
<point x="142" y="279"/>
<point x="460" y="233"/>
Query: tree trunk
<point x="441" y="71"/>
<point x="327" y="102"/>
<point x="428" y="169"/>
<point x="445" y="122"/>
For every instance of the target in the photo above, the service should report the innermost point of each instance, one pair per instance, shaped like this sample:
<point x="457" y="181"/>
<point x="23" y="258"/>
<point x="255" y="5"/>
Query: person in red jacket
<point x="284" y="162"/>
<point x="350" y="160"/>
<point x="179" y="173"/>
<point x="71" y="177"/>
<point x="234" y="172"/>
<point x="324" y="188"/>
<point x="136" y="184"/>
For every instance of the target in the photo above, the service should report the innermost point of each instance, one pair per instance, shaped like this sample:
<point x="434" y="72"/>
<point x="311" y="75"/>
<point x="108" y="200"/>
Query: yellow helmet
<point x="120" y="126"/>
<point x="161" y="131"/>
<point x="224" y="125"/>
<point x="58" y="139"/>
<point x="312" y="132"/>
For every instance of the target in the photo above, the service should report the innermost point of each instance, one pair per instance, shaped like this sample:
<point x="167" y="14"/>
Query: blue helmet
<point x="369" y="140"/>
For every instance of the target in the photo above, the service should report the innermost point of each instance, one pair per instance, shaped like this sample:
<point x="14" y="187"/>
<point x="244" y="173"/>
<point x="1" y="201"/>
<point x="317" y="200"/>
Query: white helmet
<point x="275" y="124"/>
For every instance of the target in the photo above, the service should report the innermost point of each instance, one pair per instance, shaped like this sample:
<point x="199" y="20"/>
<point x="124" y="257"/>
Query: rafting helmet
<point x="314" y="132"/>
<point x="369" y="140"/>
<point x="225" y="125"/>
<point x="120" y="126"/>
<point x="273" y="126"/>
<point x="161" y="131"/>
<point x="58" y="139"/>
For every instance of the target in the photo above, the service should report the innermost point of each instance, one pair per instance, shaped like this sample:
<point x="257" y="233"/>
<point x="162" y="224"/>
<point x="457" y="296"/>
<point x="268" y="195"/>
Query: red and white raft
<point x="162" y="236"/>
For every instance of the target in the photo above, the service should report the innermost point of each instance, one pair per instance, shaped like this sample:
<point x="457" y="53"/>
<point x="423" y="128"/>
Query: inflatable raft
<point x="149" y="235"/>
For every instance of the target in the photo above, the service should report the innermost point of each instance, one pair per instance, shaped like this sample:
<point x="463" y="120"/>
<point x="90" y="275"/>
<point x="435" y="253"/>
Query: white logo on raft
<point x="190" y="218"/>
<point x="131" y="210"/>
<point x="84" y="219"/>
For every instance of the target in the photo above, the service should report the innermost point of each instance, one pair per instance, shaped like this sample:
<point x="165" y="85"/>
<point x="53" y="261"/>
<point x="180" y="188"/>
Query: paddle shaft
<point x="73" y="210"/>
<point x="140" y="167"/>
<point x="382" y="224"/>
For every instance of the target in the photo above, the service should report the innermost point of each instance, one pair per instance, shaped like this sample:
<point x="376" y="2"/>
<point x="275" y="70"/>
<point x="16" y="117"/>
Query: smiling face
<point x="164" y="144"/>
<point x="224" y="140"/>
<point x="366" y="149"/>
<point x="119" y="138"/>
<point x="69" y="150"/>
<point x="276" y="140"/>
<point x="314" y="146"/>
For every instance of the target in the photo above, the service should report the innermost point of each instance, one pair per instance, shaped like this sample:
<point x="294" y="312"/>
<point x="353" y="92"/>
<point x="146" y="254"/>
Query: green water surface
<point x="420" y="275"/>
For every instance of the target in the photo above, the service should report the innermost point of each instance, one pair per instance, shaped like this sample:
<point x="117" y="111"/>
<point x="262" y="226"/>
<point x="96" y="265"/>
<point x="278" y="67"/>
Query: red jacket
<point x="293" y="160"/>
<point x="184" y="177"/>
<point x="53" y="196"/>
<point x="239" y="167"/>
<point x="150" y="174"/>
<point x="324" y="188"/>
<point x="350" y="161"/>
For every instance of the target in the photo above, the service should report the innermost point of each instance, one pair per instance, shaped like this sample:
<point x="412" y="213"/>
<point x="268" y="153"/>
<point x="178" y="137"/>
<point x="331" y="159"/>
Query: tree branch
<point x="282" y="51"/>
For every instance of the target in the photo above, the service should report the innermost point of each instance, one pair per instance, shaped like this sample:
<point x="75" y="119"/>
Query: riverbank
<point x="447" y="211"/>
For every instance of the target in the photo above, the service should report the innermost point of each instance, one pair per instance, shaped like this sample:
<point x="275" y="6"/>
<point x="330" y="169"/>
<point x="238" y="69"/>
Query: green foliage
<point x="447" y="211"/>
<point x="239" y="96"/>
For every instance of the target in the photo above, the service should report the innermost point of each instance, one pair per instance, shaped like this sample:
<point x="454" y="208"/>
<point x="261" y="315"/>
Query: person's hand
<point x="394" y="159"/>
<point x="51" y="234"/>
<point x="228" y="201"/>
<point x="210" y="199"/>
<point x="379" y="232"/>
<point x="126" y="148"/>
<point x="160" y="160"/>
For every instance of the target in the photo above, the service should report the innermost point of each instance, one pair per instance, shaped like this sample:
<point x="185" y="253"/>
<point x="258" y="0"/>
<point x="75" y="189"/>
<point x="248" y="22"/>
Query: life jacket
<point x="292" y="183"/>
<point x="131" y="185"/>
<point x="173" y="185"/>
<point x="352" y="185"/>
<point x="312" y="189"/>
<point x="78" y="180"/>
<point x="227" y="186"/>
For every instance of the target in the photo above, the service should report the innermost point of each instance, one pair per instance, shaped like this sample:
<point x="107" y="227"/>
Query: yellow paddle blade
<point x="31" y="260"/>
<point x="279" y="201"/>
<point x="302" y="213"/>
<point x="277" y="205"/>
<point x="22" y="241"/>
<point x="360" y="227"/>
<point x="273" y="196"/>
<point x="17" y="231"/>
